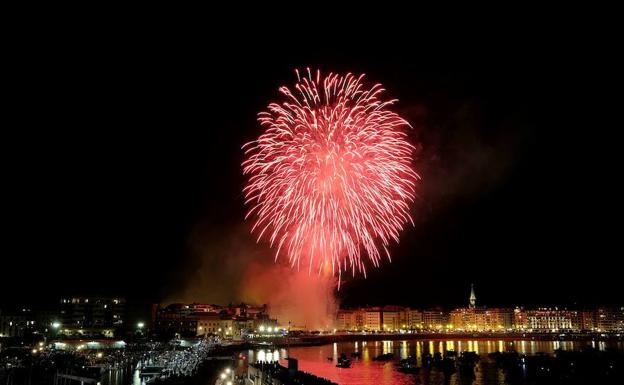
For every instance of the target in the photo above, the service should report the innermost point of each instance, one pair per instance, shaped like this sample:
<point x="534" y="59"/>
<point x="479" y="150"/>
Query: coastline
<point x="352" y="337"/>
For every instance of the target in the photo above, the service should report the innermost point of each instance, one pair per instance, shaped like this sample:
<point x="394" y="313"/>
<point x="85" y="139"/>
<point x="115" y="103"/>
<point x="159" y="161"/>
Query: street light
<point x="56" y="325"/>
<point x="140" y="325"/>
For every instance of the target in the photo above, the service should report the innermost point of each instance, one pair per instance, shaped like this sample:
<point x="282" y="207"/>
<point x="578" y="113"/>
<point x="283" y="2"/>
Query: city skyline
<point x="80" y="316"/>
<point x="107" y="318"/>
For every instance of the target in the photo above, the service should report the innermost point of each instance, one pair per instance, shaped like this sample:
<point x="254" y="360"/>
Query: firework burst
<point x="331" y="177"/>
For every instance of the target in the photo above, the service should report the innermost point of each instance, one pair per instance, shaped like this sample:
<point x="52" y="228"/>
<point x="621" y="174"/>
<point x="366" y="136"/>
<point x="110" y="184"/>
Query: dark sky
<point x="116" y="147"/>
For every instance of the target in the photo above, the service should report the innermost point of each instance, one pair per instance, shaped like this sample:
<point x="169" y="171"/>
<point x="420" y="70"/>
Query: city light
<point x="383" y="320"/>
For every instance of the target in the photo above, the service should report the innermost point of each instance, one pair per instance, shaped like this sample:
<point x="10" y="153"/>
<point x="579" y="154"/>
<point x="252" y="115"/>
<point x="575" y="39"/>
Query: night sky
<point x="122" y="153"/>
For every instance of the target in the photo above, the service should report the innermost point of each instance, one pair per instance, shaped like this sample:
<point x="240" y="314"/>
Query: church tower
<point x="473" y="297"/>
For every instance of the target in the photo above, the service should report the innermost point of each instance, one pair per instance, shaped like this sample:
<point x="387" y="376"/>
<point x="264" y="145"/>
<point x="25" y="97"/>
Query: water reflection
<point x="265" y="355"/>
<point x="404" y="351"/>
<point x="365" y="370"/>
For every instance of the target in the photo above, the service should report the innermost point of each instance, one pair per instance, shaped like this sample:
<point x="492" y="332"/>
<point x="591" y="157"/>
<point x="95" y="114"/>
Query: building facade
<point x="191" y="320"/>
<point x="18" y="322"/>
<point x="413" y="319"/>
<point x="435" y="319"/>
<point x="609" y="319"/>
<point x="346" y="320"/>
<point x="547" y="320"/>
<point x="481" y="319"/>
<point x="372" y="319"/>
<point x="588" y="320"/>
<point x="92" y="312"/>
<point x="391" y="318"/>
<point x="12" y="325"/>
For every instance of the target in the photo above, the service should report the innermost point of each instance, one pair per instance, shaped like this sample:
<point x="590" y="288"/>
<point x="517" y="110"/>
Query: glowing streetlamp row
<point x="227" y="372"/>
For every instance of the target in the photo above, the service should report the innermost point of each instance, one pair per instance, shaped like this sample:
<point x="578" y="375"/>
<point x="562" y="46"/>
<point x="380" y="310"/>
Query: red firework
<point x="331" y="177"/>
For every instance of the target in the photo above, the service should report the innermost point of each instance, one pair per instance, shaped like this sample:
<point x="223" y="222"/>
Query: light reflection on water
<point x="321" y="360"/>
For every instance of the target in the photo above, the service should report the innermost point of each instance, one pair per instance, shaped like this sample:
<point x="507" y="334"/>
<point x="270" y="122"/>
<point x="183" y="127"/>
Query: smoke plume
<point x="227" y="266"/>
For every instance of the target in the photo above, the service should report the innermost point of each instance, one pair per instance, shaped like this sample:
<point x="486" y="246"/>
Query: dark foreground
<point x="378" y="363"/>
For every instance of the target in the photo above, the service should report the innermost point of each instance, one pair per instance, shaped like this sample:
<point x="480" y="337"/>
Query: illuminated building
<point x="175" y="319"/>
<point x="372" y="319"/>
<point x="390" y="318"/>
<point x="547" y="319"/>
<point x="610" y="319"/>
<point x="18" y="322"/>
<point x="413" y="319"/>
<point x="360" y="319"/>
<point x="466" y="319"/>
<point x="202" y="320"/>
<point x="481" y="319"/>
<point x="393" y="317"/>
<point x="499" y="318"/>
<point x="92" y="312"/>
<point x="346" y="320"/>
<point x="211" y="323"/>
<point x="520" y="319"/>
<point x="473" y="297"/>
<point x="12" y="325"/>
<point x="435" y="319"/>
<point x="226" y="326"/>
<point x="588" y="320"/>
<point x="473" y="318"/>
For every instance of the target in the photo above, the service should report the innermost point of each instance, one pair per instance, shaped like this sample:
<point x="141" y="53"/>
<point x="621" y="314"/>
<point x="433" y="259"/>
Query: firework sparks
<point x="331" y="177"/>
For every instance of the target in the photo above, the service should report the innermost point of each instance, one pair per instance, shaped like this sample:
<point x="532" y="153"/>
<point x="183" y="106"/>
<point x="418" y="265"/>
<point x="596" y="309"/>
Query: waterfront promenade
<point x="322" y="339"/>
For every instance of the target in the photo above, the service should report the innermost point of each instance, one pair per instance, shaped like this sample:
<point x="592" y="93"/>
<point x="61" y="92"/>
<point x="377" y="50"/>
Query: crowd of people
<point x="177" y="362"/>
<point x="163" y="359"/>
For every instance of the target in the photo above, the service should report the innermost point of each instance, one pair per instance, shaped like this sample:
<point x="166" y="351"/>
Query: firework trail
<point x="331" y="177"/>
